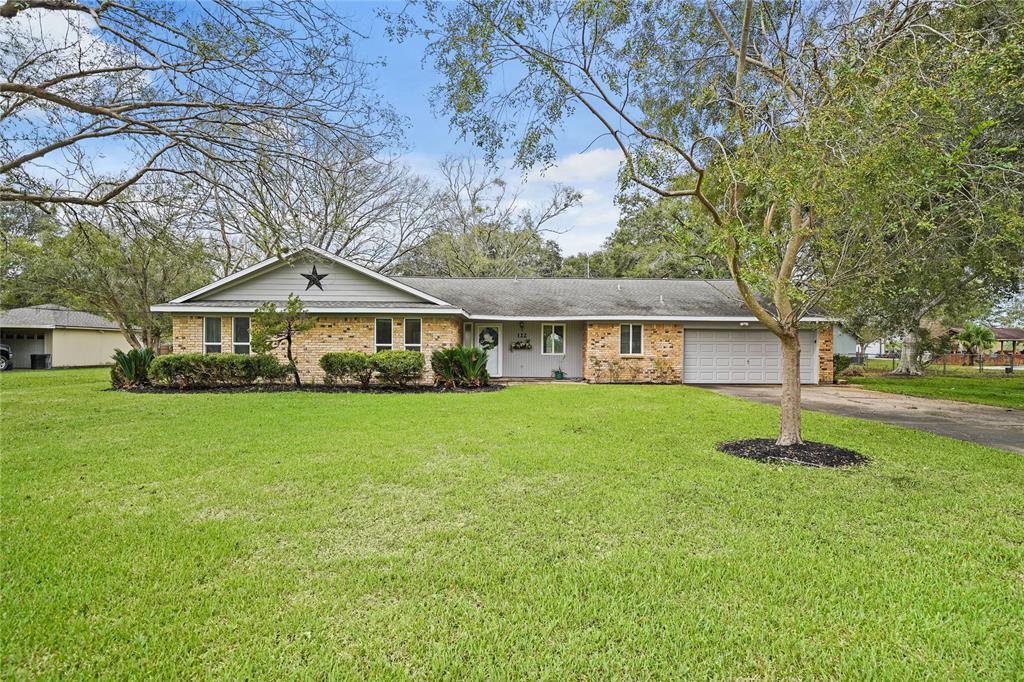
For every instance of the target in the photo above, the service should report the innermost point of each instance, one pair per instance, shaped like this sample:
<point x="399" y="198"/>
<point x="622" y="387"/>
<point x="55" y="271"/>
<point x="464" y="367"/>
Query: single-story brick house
<point x="599" y="330"/>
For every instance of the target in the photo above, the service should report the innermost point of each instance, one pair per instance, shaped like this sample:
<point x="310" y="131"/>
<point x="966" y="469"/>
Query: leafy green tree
<point x="655" y="238"/>
<point x="272" y="328"/>
<point x="118" y="261"/>
<point x="786" y="126"/>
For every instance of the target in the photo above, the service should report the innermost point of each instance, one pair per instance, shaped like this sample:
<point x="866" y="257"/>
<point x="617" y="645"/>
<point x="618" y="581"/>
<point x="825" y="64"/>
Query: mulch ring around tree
<point x="807" y="454"/>
<point x="312" y="388"/>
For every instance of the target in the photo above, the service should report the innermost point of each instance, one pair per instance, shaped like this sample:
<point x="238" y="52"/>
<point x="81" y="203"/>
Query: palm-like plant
<point x="131" y="368"/>
<point x="473" y="366"/>
<point x="976" y="338"/>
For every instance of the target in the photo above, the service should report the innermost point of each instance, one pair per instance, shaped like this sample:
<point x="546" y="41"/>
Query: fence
<point x="951" y="362"/>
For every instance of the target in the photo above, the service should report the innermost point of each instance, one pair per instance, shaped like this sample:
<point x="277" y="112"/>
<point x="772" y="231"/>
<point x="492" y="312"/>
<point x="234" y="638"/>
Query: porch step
<point x="535" y="380"/>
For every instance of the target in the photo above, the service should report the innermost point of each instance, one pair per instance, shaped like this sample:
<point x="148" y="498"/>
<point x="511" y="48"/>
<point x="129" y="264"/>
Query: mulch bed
<point x="314" y="388"/>
<point x="807" y="454"/>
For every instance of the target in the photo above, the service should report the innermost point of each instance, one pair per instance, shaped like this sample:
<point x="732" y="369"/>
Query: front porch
<point x="521" y="349"/>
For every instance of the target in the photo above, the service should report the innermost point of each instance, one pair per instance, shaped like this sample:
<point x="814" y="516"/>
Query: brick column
<point x="825" y="360"/>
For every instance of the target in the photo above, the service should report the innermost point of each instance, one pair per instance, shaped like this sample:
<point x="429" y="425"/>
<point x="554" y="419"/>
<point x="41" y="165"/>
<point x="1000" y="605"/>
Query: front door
<point x="488" y="337"/>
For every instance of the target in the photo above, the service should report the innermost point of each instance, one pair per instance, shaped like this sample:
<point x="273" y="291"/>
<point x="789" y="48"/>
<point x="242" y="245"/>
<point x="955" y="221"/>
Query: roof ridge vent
<point x="618" y="286"/>
<point x="661" y="299"/>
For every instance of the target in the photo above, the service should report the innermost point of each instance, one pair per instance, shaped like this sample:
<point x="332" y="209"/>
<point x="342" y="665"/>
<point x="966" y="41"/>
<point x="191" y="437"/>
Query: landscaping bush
<point x="397" y="366"/>
<point x="347" y="365"/>
<point x="852" y="372"/>
<point x="461" y="366"/>
<point x="444" y="366"/>
<point x="840" y="363"/>
<point x="131" y="368"/>
<point x="196" y="370"/>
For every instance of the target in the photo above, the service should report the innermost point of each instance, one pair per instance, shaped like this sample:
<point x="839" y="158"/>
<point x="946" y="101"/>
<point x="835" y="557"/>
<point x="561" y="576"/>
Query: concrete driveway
<point x="997" y="427"/>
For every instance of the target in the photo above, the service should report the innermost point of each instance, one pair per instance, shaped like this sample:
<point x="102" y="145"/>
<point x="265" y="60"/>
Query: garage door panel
<point x="742" y="356"/>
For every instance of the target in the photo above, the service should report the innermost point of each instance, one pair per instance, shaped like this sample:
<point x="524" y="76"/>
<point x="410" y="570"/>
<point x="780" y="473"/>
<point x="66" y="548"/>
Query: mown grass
<point x="558" y="531"/>
<point x="998" y="389"/>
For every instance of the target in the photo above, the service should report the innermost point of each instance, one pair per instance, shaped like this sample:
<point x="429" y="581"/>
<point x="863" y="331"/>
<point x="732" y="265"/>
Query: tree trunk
<point x="910" y="364"/>
<point x="291" y="362"/>
<point x="789" y="408"/>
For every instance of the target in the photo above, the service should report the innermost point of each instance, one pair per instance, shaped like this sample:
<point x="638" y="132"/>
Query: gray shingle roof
<point x="354" y="305"/>
<point x="577" y="297"/>
<point x="49" y="316"/>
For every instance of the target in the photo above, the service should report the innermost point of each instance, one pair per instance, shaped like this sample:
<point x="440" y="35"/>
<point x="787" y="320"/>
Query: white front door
<point x="488" y="337"/>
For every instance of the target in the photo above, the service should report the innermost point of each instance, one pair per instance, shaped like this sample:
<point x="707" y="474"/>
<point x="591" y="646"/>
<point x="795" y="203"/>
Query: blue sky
<point x="590" y="167"/>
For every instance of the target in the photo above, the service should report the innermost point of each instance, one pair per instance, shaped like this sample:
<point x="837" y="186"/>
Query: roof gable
<point x="339" y="280"/>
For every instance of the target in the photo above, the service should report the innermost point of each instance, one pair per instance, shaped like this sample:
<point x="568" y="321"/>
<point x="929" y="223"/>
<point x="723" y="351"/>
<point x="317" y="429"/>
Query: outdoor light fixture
<point x="744" y="324"/>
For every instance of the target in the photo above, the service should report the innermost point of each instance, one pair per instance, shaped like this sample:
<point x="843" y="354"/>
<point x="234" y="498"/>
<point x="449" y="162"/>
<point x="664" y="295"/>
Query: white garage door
<point x="747" y="356"/>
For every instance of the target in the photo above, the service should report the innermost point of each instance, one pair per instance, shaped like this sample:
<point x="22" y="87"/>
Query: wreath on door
<point x="488" y="339"/>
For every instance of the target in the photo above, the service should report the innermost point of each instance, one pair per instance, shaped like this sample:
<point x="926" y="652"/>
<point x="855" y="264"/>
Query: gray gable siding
<point x="341" y="284"/>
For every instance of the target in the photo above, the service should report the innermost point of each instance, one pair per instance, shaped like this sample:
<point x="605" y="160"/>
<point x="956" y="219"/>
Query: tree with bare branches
<point x="367" y="208"/>
<point x="482" y="227"/>
<point x="97" y="94"/>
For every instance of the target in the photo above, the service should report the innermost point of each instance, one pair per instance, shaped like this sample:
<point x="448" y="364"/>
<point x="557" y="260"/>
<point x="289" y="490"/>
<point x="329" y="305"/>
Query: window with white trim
<point x="552" y="339"/>
<point x="240" y="335"/>
<point x="631" y="339"/>
<point x="211" y="335"/>
<point x="413" y="327"/>
<point x="382" y="334"/>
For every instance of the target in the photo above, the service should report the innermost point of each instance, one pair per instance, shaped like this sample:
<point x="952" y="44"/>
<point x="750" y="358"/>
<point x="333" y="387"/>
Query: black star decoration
<point x="314" y="278"/>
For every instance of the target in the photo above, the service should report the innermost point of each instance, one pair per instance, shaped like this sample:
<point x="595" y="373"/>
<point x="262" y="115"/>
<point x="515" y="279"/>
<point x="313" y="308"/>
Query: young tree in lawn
<point x="272" y="328"/>
<point x="748" y="110"/>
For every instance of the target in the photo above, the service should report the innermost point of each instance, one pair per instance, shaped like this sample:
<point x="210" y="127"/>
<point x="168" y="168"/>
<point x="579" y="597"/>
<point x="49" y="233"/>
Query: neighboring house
<point x="600" y="330"/>
<point x="843" y="342"/>
<point x="72" y="338"/>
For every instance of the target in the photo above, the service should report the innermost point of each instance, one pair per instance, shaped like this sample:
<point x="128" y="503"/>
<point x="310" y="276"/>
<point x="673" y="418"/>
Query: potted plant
<point x="558" y="374"/>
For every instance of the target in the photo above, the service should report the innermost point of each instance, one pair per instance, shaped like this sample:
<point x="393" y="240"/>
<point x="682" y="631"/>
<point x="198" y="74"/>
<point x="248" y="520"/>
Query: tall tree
<point x="656" y="238"/>
<point x="482" y="227"/>
<point x="119" y="260"/>
<point x="368" y="209"/>
<point x="755" y="106"/>
<point x="164" y="87"/>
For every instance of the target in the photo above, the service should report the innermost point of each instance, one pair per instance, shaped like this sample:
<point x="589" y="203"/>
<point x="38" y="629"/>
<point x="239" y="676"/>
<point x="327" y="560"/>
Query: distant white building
<point x="71" y="338"/>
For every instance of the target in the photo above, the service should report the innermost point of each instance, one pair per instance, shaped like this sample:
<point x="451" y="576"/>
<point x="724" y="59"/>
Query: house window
<point x="383" y="334"/>
<point x="413" y="333"/>
<point x="211" y="335"/>
<point x="631" y="339"/>
<point x="240" y="335"/>
<point x="552" y="339"/>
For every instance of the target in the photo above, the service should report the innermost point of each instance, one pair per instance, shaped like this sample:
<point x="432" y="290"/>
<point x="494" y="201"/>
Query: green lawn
<point x="549" y="531"/>
<point x="994" y="389"/>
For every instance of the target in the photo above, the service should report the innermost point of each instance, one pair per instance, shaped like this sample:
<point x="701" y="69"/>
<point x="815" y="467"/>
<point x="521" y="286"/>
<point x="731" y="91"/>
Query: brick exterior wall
<point x="331" y="333"/>
<point x="187" y="335"/>
<point x="661" y="362"/>
<point x="826" y="363"/>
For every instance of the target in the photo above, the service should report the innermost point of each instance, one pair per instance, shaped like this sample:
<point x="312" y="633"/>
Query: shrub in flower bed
<point x="397" y="367"/>
<point x="461" y="366"/>
<point x="391" y="367"/>
<point x="349" y="365"/>
<point x="197" y="370"/>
